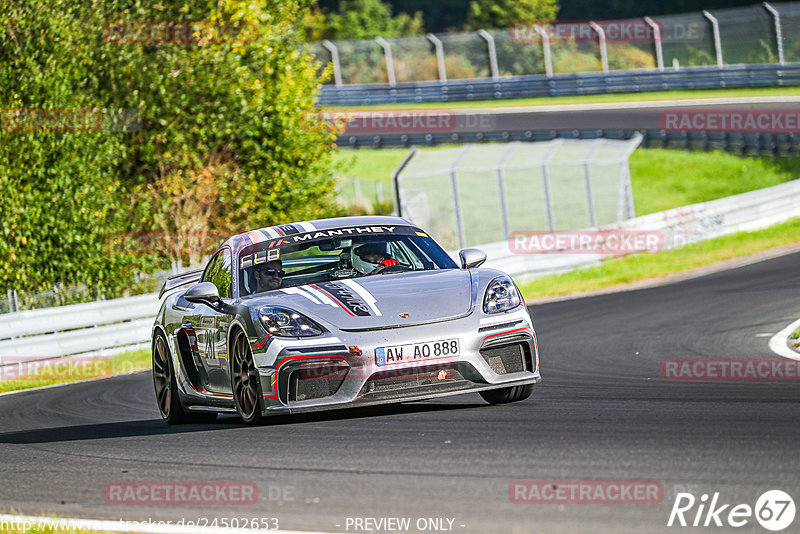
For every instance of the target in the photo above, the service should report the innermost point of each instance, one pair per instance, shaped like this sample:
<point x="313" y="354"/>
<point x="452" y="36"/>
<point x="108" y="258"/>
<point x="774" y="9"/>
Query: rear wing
<point x="182" y="279"/>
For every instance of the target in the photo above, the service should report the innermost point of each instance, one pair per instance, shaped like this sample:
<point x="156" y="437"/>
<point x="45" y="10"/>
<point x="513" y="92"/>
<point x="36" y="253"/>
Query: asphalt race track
<point x="646" y="115"/>
<point x="601" y="413"/>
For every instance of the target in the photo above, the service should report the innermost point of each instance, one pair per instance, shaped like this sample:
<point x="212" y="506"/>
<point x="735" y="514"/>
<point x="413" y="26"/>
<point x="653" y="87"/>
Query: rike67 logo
<point x="774" y="510"/>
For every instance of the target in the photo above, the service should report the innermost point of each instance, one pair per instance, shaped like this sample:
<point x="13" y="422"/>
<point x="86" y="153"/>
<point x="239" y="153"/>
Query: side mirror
<point x="471" y="258"/>
<point x="204" y="293"/>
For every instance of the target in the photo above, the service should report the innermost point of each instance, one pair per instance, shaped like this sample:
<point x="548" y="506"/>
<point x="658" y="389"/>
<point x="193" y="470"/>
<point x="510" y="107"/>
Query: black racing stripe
<point x="289" y="229"/>
<point x="348" y="298"/>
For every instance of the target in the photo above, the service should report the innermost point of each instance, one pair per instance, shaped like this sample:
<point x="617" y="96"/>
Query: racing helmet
<point x="369" y="251"/>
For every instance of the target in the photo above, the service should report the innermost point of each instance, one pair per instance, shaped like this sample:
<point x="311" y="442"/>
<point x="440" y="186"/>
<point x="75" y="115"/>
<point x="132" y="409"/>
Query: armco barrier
<point x="102" y="327"/>
<point x="698" y="222"/>
<point x="114" y="325"/>
<point x="685" y="78"/>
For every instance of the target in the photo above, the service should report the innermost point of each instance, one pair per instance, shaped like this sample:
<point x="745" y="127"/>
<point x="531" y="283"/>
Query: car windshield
<point x="327" y="255"/>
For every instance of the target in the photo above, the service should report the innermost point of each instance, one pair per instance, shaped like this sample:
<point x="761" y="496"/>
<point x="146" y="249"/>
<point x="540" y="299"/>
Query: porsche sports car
<point x="338" y="313"/>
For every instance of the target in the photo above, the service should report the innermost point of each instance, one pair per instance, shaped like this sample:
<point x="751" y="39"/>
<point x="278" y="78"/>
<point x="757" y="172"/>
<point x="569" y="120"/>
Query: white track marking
<point x="364" y="294"/>
<point x="777" y="343"/>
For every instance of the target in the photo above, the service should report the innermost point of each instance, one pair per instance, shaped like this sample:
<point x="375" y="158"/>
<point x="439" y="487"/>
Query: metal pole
<point x="396" y="179"/>
<point x="501" y="188"/>
<point x="717" y="40"/>
<point x="548" y="199"/>
<point x="437" y="44"/>
<point x="359" y="198"/>
<point x="548" y="58"/>
<point x="587" y="178"/>
<point x="337" y="67"/>
<point x="387" y="51"/>
<point x="601" y="37"/>
<point x="460" y="237"/>
<point x="657" y="40"/>
<point x="492" y="53"/>
<point x="778" y="33"/>
<point x="625" y="208"/>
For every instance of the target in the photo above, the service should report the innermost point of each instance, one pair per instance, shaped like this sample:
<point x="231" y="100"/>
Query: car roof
<point x="240" y="241"/>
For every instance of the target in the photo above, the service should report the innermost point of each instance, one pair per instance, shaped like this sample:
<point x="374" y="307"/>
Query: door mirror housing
<point x="471" y="258"/>
<point x="204" y="293"/>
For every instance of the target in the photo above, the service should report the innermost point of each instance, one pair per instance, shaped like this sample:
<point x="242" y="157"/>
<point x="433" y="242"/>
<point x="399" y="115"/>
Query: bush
<point x="225" y="118"/>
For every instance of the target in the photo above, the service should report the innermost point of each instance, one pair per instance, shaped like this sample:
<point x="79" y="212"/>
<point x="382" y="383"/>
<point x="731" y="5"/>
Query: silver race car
<point x="337" y="313"/>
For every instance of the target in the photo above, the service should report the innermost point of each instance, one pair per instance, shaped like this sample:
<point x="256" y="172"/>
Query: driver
<point x="369" y="257"/>
<point x="268" y="275"/>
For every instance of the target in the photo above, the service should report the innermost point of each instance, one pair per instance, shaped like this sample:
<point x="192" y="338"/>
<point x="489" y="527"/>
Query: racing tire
<point x="506" y="395"/>
<point x="245" y="381"/>
<point x="166" y="388"/>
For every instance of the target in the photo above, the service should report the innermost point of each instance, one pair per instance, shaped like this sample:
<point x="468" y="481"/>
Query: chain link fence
<point x="478" y="194"/>
<point x="763" y="33"/>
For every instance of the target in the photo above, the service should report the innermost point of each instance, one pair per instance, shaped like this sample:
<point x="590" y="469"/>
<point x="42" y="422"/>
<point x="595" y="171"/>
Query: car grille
<point x="507" y="358"/>
<point x="400" y="382"/>
<point x="315" y="383"/>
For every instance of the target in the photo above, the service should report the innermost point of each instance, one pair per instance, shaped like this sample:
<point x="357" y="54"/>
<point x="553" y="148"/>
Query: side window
<point x="218" y="272"/>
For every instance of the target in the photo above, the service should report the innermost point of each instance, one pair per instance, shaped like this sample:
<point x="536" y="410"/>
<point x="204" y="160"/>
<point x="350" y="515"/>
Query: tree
<point x="226" y="136"/>
<point x="490" y="14"/>
<point x="366" y="19"/>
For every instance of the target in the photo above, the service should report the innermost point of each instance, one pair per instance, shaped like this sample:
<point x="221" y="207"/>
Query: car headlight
<point x="288" y="323"/>
<point x="501" y="295"/>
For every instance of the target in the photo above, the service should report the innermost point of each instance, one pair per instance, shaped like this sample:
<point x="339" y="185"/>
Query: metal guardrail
<point x="688" y="224"/>
<point x="126" y="323"/>
<point x="744" y="144"/>
<point x="688" y="78"/>
<point x="90" y="328"/>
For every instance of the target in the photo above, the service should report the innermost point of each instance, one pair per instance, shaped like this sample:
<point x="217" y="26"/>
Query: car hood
<point x="380" y="301"/>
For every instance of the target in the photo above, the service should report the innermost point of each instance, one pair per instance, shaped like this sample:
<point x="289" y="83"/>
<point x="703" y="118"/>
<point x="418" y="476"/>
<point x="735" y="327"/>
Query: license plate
<point x="415" y="352"/>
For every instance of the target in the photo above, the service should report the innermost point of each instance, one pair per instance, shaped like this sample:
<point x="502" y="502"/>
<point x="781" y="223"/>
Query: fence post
<point x="657" y="41"/>
<point x="625" y="207"/>
<point x="437" y="44"/>
<point x="387" y="51"/>
<point x="379" y="192"/>
<point x="548" y="58"/>
<point x="778" y="33"/>
<point x="717" y="40"/>
<point x="501" y="188"/>
<point x="548" y="199"/>
<point x="492" y="53"/>
<point x="337" y="66"/>
<point x="587" y="178"/>
<point x="13" y="303"/>
<point x="460" y="236"/>
<point x="396" y="179"/>
<point x="357" y="190"/>
<point x="601" y="37"/>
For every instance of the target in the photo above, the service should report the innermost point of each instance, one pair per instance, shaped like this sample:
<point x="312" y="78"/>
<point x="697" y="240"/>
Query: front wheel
<point x="245" y="381"/>
<point x="506" y="395"/>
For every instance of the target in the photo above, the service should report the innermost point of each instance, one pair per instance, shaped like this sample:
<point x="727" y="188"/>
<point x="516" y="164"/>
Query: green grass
<point x="590" y="99"/>
<point x="122" y="363"/>
<point x="661" y="178"/>
<point x="638" y="267"/>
